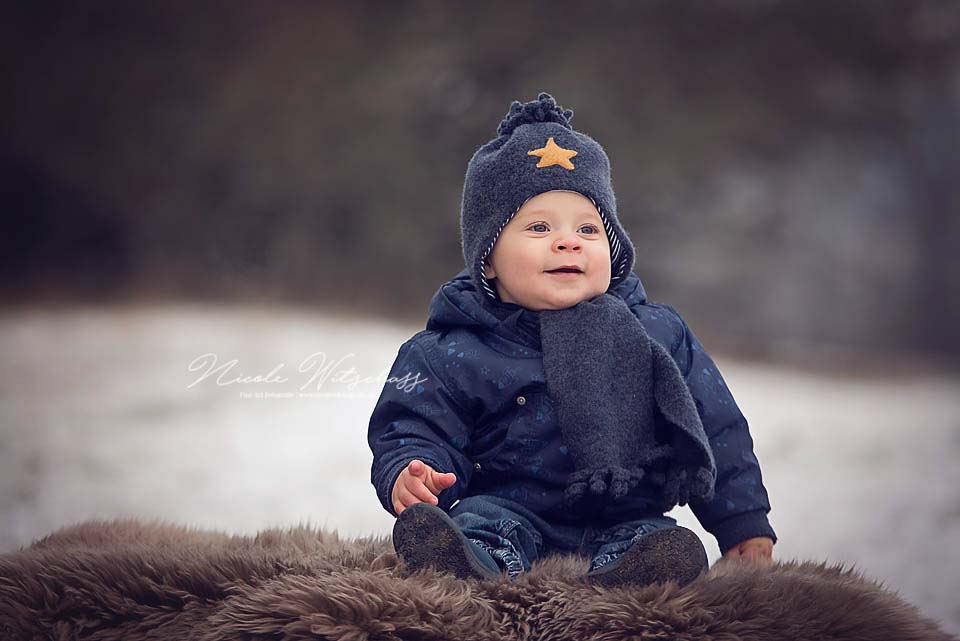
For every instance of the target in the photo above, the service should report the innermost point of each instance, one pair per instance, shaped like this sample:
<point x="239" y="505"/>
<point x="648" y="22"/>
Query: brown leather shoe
<point x="667" y="554"/>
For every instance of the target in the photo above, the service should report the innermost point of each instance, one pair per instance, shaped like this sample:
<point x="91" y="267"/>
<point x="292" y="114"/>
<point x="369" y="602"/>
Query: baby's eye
<point x="593" y="228"/>
<point x="535" y="225"/>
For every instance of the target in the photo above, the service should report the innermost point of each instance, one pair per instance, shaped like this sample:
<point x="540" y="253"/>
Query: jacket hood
<point x="458" y="304"/>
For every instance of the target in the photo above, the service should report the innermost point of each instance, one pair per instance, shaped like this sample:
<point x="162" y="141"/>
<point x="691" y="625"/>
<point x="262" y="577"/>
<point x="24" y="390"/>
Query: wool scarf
<point x="612" y="384"/>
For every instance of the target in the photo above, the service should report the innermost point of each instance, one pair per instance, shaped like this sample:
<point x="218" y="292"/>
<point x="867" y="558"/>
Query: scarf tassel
<point x="615" y="481"/>
<point x="679" y="483"/>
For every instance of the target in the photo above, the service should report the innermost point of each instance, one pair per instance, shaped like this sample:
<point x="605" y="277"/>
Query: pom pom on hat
<point x="543" y="109"/>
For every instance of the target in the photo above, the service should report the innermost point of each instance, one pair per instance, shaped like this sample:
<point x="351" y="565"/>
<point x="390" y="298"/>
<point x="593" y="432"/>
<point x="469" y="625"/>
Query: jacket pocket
<point x="520" y="436"/>
<point x="490" y="440"/>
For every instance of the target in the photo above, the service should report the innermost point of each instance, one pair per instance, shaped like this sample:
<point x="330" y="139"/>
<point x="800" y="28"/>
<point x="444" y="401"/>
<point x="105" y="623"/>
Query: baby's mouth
<point x="566" y="273"/>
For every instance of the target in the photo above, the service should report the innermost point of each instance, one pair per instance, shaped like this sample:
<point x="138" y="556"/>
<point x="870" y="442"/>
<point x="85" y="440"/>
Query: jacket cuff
<point x="742" y="527"/>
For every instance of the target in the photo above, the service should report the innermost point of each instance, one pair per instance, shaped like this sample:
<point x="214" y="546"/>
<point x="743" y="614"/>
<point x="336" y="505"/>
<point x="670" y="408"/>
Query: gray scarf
<point x="623" y="405"/>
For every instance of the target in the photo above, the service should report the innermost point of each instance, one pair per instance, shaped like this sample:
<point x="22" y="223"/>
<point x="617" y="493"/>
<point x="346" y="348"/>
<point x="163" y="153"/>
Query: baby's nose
<point x="569" y="243"/>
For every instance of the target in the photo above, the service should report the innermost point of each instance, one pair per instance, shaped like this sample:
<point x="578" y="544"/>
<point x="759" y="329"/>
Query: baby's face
<point x="551" y="230"/>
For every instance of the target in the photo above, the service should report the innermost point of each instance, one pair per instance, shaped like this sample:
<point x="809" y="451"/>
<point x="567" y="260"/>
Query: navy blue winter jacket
<point x="467" y="395"/>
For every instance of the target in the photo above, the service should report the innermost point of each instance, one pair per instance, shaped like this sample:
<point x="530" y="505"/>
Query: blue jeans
<point x="516" y="537"/>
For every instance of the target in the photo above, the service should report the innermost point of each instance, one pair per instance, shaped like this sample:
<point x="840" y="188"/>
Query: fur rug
<point x="133" y="580"/>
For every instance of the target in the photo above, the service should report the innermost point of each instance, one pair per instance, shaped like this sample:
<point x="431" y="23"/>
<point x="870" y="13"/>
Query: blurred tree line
<point x="788" y="171"/>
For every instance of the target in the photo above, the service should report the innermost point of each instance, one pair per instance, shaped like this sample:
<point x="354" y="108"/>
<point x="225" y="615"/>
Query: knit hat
<point x="536" y="150"/>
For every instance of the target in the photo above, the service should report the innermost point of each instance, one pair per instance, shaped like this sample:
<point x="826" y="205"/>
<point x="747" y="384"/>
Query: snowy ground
<point x="100" y="417"/>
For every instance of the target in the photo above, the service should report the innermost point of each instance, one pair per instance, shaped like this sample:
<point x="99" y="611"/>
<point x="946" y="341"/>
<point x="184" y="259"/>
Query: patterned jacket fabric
<point x="467" y="395"/>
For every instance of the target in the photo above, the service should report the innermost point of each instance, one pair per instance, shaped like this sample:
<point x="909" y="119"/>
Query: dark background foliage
<point x="788" y="171"/>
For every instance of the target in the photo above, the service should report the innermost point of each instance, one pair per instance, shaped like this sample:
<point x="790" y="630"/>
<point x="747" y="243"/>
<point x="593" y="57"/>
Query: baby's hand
<point x="758" y="550"/>
<point x="419" y="483"/>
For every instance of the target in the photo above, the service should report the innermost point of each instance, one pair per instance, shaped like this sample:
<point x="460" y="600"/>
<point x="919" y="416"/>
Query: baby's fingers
<point x="444" y="479"/>
<point x="732" y="553"/>
<point x="419" y="491"/>
<point x="405" y="499"/>
<point x="416" y="467"/>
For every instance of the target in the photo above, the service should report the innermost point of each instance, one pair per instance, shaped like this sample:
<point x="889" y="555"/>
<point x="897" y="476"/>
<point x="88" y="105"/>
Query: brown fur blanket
<point x="131" y="580"/>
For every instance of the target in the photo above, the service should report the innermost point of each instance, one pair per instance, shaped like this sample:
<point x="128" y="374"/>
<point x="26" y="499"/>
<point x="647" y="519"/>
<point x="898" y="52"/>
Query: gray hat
<point x="536" y="150"/>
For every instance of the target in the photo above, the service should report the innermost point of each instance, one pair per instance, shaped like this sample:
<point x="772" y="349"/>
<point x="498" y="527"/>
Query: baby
<point x="556" y="410"/>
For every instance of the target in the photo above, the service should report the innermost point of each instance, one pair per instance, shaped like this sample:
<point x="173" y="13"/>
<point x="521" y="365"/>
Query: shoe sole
<point x="424" y="536"/>
<point x="668" y="554"/>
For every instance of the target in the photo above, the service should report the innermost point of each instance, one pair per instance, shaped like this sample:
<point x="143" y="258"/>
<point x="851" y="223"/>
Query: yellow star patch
<point x="553" y="154"/>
